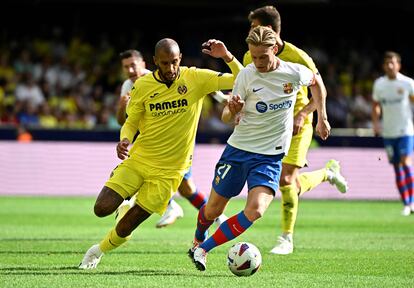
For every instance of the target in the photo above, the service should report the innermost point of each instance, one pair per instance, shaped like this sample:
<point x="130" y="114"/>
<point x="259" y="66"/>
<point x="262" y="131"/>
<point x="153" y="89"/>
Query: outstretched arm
<point x="217" y="49"/>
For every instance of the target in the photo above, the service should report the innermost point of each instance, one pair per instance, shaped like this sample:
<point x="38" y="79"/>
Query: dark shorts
<point x="236" y="167"/>
<point x="188" y="174"/>
<point x="398" y="147"/>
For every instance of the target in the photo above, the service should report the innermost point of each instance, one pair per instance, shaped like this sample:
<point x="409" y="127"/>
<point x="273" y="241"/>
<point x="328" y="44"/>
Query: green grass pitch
<point x="337" y="244"/>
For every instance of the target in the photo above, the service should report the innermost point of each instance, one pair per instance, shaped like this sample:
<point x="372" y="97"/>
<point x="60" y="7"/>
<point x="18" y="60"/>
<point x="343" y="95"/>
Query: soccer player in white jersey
<point x="265" y="94"/>
<point x="133" y="66"/>
<point x="294" y="183"/>
<point x="392" y="94"/>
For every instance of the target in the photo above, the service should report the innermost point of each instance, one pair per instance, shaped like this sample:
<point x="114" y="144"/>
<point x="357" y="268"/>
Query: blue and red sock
<point x="404" y="183"/>
<point x="202" y="225"/>
<point x="410" y="182"/>
<point x="228" y="230"/>
<point x="198" y="199"/>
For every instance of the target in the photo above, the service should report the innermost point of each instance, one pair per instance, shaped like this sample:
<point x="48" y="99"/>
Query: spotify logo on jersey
<point x="261" y="107"/>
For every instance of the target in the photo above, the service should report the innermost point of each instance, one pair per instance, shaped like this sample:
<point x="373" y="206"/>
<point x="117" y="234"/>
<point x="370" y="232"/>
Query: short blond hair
<point x="261" y="36"/>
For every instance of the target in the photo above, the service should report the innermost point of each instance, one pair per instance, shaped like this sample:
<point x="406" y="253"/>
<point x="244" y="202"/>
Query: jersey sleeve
<point x="307" y="61"/>
<point x="291" y="53"/>
<point x="306" y="76"/>
<point x="126" y="87"/>
<point x="240" y="85"/>
<point x="213" y="80"/>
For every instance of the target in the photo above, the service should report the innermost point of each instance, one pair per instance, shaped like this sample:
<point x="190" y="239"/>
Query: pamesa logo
<point x="167" y="108"/>
<point x="262" y="107"/>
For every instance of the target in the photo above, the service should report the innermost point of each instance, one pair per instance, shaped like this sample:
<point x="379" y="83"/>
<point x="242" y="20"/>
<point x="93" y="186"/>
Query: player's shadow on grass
<point x="73" y="270"/>
<point x="46" y="239"/>
<point x="83" y="252"/>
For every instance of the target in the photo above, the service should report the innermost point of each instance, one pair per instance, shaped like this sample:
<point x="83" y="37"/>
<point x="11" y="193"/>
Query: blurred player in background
<point x="165" y="108"/>
<point x="392" y="94"/>
<point x="265" y="93"/>
<point x="293" y="184"/>
<point x="133" y="66"/>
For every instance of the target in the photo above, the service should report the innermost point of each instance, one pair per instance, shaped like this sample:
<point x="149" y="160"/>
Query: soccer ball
<point x="244" y="259"/>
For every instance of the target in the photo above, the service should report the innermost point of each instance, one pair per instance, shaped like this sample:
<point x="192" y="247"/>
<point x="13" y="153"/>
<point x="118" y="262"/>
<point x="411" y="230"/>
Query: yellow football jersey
<point x="167" y="116"/>
<point x="291" y="53"/>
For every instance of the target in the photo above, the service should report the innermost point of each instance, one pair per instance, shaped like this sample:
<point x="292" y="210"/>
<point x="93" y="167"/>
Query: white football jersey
<point x="266" y="124"/>
<point x="394" y="98"/>
<point x="127" y="85"/>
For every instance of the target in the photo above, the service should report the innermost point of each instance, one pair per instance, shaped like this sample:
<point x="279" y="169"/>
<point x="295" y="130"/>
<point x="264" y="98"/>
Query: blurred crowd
<point x="75" y="84"/>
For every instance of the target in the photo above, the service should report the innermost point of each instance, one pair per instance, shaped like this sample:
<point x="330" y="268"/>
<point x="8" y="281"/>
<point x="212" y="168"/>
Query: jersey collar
<point x="157" y="77"/>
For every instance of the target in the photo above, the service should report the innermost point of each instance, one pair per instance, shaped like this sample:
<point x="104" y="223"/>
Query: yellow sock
<point x="290" y="201"/>
<point x="310" y="180"/>
<point x="112" y="241"/>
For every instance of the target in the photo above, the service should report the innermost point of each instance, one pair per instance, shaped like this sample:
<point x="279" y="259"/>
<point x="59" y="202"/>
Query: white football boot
<point x="200" y="258"/>
<point x="173" y="212"/>
<point x="333" y="171"/>
<point x="284" y="245"/>
<point x="406" y="211"/>
<point x="91" y="258"/>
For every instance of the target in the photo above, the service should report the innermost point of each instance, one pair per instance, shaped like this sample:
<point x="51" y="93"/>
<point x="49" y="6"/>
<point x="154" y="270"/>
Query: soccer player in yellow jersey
<point x="165" y="107"/>
<point x="293" y="184"/>
<point x="133" y="66"/>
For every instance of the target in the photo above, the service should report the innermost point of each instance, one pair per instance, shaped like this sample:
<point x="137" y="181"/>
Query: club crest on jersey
<point x="217" y="180"/>
<point x="287" y="88"/>
<point x="182" y="89"/>
<point x="400" y="91"/>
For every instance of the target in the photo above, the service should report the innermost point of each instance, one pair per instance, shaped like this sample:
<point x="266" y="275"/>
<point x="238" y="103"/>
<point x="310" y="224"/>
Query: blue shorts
<point x="398" y="147"/>
<point x="236" y="166"/>
<point x="188" y="174"/>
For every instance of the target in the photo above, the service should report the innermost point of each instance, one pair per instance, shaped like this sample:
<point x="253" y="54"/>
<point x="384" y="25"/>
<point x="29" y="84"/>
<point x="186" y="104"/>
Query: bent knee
<point x="102" y="210"/>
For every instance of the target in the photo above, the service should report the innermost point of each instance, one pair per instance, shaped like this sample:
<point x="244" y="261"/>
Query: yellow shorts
<point x="299" y="147"/>
<point x="153" y="187"/>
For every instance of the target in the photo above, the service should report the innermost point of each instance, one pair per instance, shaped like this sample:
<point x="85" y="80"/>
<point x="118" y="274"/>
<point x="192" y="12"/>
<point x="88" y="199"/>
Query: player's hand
<point x="298" y="122"/>
<point x="235" y="104"/>
<point x="216" y="49"/>
<point x="122" y="149"/>
<point x="323" y="129"/>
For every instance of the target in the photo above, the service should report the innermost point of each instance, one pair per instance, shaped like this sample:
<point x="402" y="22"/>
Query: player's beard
<point x="169" y="77"/>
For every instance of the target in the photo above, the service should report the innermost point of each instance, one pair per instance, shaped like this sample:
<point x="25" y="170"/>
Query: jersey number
<point x="226" y="168"/>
